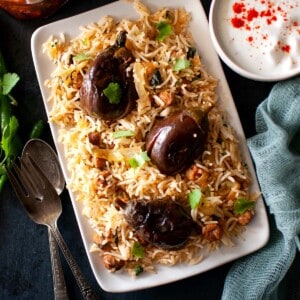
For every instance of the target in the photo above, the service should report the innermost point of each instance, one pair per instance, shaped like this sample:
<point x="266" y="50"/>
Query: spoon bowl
<point x="47" y="160"/>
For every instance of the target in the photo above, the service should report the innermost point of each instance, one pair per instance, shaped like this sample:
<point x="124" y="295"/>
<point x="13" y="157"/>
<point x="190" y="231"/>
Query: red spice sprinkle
<point x="266" y="13"/>
<point x="237" y="22"/>
<point x="238" y="8"/>
<point x="244" y="14"/>
<point x="286" y="48"/>
<point x="252" y="14"/>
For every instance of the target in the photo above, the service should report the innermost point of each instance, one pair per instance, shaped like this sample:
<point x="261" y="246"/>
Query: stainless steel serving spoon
<point x="47" y="161"/>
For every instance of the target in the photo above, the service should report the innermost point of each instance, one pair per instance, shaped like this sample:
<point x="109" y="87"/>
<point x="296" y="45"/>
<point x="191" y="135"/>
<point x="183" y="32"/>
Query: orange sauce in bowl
<point x="31" y="9"/>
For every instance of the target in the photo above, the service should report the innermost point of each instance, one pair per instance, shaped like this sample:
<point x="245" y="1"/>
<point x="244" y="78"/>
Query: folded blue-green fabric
<point x="276" y="154"/>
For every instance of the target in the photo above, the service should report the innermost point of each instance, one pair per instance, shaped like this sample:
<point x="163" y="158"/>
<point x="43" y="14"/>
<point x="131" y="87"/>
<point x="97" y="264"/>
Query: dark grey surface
<point x="25" y="271"/>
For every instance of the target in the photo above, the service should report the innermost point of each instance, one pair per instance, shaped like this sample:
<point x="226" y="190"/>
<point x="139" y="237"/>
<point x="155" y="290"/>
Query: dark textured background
<point x="25" y="271"/>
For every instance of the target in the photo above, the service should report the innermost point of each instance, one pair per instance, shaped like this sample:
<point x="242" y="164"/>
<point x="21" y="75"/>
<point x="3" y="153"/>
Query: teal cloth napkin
<point x="276" y="154"/>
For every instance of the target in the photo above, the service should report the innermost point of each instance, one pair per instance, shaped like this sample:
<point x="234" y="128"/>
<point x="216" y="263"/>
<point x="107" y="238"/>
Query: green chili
<point x="3" y="179"/>
<point x="5" y="112"/>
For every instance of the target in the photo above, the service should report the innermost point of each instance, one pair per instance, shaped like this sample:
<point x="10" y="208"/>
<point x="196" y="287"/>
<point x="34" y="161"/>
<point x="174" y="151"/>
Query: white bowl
<point x="266" y="47"/>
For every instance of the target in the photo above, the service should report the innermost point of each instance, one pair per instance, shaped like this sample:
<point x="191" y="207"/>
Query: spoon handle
<point x="60" y="289"/>
<point x="85" y="288"/>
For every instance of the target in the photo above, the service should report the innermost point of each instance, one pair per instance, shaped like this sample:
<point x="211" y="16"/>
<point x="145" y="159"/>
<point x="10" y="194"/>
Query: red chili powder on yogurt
<point x="238" y="7"/>
<point x="237" y="22"/>
<point x="254" y="15"/>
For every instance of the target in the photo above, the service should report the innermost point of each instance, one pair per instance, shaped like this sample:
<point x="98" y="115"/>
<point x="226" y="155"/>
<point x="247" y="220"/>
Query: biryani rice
<point x="222" y="175"/>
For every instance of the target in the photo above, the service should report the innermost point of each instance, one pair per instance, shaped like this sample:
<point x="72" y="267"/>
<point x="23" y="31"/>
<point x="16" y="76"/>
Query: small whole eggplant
<point x="165" y="224"/>
<point x="174" y="142"/>
<point x="110" y="66"/>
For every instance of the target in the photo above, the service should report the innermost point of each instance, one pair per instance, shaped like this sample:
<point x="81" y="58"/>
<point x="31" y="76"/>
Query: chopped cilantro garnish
<point x="113" y="92"/>
<point x="137" y="250"/>
<point x="8" y="81"/>
<point x="10" y="142"/>
<point x="81" y="56"/>
<point x="139" y="159"/>
<point x="181" y="64"/>
<point x="85" y="42"/>
<point x="138" y="270"/>
<point x="133" y="163"/>
<point x="195" y="197"/>
<point x="164" y="29"/>
<point x="241" y="205"/>
<point x="122" y="133"/>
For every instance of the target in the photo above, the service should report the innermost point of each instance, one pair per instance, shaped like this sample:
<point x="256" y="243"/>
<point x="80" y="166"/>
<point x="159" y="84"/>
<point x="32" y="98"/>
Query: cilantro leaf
<point x="9" y="80"/>
<point x="139" y="159"/>
<point x="181" y="64"/>
<point x="81" y="56"/>
<point x="113" y="92"/>
<point x="137" y="250"/>
<point x="195" y="197"/>
<point x="241" y="205"/>
<point x="133" y="163"/>
<point x="85" y="42"/>
<point x="122" y="133"/>
<point x="138" y="270"/>
<point x="164" y="29"/>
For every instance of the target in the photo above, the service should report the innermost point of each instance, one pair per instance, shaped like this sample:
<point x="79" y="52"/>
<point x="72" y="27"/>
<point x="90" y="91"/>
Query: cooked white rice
<point x="222" y="174"/>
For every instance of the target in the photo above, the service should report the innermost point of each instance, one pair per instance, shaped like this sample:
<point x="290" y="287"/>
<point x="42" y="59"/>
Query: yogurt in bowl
<point x="259" y="39"/>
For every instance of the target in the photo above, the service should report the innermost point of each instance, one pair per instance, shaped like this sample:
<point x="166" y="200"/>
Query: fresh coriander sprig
<point x="242" y="205"/>
<point x="10" y="143"/>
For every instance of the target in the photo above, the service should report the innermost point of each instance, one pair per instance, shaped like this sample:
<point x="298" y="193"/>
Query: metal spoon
<point x="48" y="163"/>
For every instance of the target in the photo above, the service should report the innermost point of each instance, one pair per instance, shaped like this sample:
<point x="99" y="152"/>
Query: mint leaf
<point x="164" y="29"/>
<point x="81" y="56"/>
<point x="138" y="270"/>
<point x="181" y="64"/>
<point x="139" y="159"/>
<point x="241" y="205"/>
<point x="137" y="250"/>
<point x="113" y="93"/>
<point x="195" y="197"/>
<point x="122" y="133"/>
<point x="133" y="163"/>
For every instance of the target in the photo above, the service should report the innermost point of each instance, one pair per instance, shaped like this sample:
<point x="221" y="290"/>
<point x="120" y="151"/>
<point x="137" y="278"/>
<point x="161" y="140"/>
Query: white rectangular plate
<point x="257" y="232"/>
